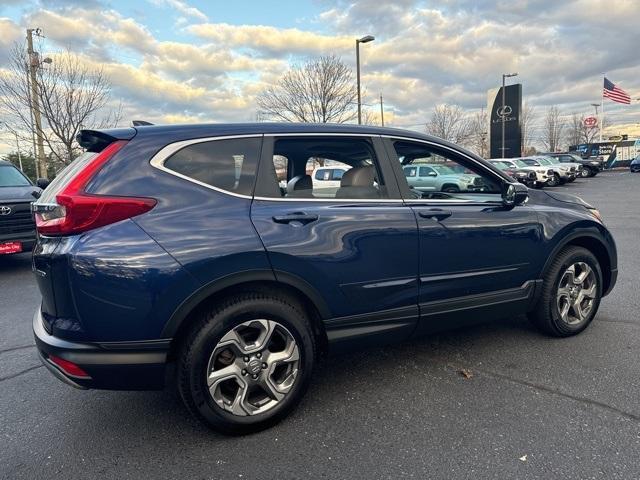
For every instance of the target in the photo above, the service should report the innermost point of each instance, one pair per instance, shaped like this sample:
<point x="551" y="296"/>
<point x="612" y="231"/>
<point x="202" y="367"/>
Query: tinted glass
<point x="458" y="177"/>
<point x="226" y="164"/>
<point x="12" y="177"/>
<point x="350" y="164"/>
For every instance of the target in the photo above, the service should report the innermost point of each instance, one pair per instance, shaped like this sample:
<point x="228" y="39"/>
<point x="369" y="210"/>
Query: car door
<point x="482" y="260"/>
<point x="357" y="249"/>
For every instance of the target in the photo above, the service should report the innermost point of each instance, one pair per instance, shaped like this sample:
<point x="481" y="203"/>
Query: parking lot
<point x="529" y="406"/>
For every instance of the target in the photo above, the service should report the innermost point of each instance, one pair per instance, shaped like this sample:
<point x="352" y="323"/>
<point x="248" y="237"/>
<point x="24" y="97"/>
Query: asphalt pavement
<point x="529" y="406"/>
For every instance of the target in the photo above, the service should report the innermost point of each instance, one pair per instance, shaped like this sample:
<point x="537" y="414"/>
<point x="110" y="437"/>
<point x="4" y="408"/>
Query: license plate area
<point x="10" y="247"/>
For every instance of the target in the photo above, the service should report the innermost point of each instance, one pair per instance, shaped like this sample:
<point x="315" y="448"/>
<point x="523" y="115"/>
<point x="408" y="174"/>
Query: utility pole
<point x="34" y="63"/>
<point x="381" y="110"/>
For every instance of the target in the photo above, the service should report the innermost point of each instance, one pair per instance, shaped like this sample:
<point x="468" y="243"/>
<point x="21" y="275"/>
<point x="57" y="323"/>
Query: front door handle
<point x="436" y="213"/>
<point x="299" y="217"/>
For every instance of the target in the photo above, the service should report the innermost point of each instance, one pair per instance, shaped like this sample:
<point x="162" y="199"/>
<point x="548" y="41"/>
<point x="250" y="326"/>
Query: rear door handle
<point x="299" y="217"/>
<point x="436" y="213"/>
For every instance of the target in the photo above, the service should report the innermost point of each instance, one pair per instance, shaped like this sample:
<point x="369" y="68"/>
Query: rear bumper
<point x="112" y="366"/>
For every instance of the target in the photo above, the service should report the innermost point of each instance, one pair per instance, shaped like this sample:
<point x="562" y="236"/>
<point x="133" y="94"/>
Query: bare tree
<point x="450" y="122"/>
<point x="553" y="129"/>
<point x="71" y="96"/>
<point x="478" y="140"/>
<point x="527" y="126"/>
<point x="319" y="91"/>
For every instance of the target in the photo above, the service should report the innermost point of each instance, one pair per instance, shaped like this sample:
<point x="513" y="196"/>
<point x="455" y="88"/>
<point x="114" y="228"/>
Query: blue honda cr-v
<point x="208" y="256"/>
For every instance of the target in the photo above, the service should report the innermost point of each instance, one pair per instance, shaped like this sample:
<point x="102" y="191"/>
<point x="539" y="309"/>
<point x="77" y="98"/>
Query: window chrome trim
<point x="158" y="160"/>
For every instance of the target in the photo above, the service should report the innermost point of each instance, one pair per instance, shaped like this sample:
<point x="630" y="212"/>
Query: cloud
<point x="272" y="40"/>
<point x="183" y="8"/>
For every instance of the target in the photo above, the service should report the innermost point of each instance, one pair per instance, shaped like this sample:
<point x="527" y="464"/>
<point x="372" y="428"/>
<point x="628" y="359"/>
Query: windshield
<point x="520" y="163"/>
<point x="501" y="165"/>
<point x="443" y="170"/>
<point x="544" y="161"/>
<point x="10" y="176"/>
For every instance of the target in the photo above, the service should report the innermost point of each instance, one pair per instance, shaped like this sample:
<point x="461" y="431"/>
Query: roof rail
<point x="140" y="123"/>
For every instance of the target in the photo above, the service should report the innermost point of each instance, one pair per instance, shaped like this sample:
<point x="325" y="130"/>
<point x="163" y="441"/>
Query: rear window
<point x="225" y="164"/>
<point x="64" y="177"/>
<point x="10" y="176"/>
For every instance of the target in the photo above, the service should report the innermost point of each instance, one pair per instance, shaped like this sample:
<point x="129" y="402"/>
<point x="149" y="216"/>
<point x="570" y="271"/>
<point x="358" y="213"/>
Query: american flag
<point x="615" y="93"/>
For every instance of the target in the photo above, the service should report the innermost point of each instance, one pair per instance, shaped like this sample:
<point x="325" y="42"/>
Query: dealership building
<point x="616" y="153"/>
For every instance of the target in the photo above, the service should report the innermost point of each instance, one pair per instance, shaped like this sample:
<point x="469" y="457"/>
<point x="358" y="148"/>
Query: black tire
<point x="546" y="315"/>
<point x="554" y="180"/>
<point x="215" y="322"/>
<point x="594" y="173"/>
<point x="586" y="172"/>
<point x="451" y="189"/>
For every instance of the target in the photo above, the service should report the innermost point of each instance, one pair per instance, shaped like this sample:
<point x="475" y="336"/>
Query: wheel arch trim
<point x="181" y="313"/>
<point x="591" y="234"/>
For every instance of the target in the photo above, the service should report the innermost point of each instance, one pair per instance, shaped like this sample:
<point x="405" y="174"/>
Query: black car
<point x="527" y="177"/>
<point x="17" y="228"/>
<point x="634" y="166"/>
<point x="590" y="166"/>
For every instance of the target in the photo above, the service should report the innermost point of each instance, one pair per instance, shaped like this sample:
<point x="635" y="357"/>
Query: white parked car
<point x="543" y="174"/>
<point x="326" y="180"/>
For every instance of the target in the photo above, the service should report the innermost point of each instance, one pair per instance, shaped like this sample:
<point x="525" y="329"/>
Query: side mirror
<point x="432" y="174"/>
<point x="514" y="194"/>
<point x="42" y="183"/>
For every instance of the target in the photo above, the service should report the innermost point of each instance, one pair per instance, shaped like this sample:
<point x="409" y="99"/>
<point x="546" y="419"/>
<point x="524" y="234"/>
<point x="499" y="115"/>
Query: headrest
<point x="300" y="182"/>
<point x="358" y="177"/>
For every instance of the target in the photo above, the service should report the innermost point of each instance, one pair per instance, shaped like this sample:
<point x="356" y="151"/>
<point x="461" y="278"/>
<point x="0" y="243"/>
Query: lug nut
<point x="264" y="365"/>
<point x="246" y="359"/>
<point x="254" y="376"/>
<point x="244" y="372"/>
<point x="259" y="355"/>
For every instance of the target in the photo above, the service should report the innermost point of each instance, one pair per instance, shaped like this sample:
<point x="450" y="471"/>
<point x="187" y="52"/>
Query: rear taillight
<point x="76" y="211"/>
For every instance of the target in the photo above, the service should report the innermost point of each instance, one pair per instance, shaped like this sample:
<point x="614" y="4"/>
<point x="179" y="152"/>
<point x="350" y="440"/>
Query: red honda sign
<point x="590" y="122"/>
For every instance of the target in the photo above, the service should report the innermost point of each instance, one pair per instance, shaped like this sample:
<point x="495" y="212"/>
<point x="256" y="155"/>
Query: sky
<point x="205" y="61"/>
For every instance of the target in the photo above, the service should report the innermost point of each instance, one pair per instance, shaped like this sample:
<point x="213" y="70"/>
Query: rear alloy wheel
<point x="585" y="173"/>
<point x="247" y="362"/>
<point x="253" y="367"/>
<point x="571" y="292"/>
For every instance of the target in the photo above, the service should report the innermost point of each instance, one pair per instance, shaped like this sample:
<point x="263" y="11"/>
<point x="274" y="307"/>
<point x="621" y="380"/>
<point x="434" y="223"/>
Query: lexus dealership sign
<point x="509" y="115"/>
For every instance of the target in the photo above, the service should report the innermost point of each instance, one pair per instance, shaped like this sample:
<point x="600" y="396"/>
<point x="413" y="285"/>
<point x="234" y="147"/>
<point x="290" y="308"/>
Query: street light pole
<point x="365" y="39"/>
<point x="381" y="111"/>
<point x="504" y="76"/>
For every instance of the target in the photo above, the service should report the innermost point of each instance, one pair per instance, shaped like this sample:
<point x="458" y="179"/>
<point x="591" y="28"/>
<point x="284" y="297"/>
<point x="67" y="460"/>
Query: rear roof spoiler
<point x="98" y="140"/>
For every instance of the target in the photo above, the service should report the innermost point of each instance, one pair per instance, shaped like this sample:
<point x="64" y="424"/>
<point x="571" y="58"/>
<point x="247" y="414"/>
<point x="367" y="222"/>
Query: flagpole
<point x="601" y="106"/>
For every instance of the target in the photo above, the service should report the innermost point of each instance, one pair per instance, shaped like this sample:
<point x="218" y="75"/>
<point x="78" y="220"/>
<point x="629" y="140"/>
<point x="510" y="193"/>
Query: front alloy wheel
<point x="576" y="294"/>
<point x="253" y="367"/>
<point x="570" y="295"/>
<point x="585" y="172"/>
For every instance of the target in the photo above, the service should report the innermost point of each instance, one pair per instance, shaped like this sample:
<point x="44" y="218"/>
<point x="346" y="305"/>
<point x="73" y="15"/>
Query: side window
<point x="345" y="168"/>
<point x="457" y="177"/>
<point x="226" y="164"/>
<point x="425" y="171"/>
<point x="322" y="174"/>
